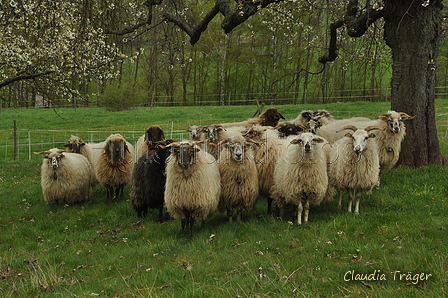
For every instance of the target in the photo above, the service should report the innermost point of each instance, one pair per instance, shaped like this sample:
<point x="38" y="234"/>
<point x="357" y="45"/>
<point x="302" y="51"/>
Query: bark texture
<point x="412" y="31"/>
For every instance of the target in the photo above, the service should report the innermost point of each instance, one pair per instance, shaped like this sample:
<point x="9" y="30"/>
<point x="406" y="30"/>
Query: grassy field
<point x="398" y="242"/>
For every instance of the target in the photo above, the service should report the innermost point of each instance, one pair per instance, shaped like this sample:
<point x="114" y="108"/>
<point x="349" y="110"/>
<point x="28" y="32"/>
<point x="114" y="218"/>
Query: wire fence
<point x="20" y="144"/>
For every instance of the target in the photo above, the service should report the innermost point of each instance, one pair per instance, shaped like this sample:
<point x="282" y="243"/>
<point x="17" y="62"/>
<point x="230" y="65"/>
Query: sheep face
<point x="194" y="131"/>
<point x="395" y="120"/>
<point x="115" y="150"/>
<point x="54" y="160"/>
<point x="154" y="134"/>
<point x="360" y="138"/>
<point x="74" y="144"/>
<point x="212" y="132"/>
<point x="307" y="141"/>
<point x="237" y="150"/>
<point x="186" y="154"/>
<point x="270" y="117"/>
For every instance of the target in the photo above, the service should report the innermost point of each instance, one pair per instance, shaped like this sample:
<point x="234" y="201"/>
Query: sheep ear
<point x="294" y="141"/>
<point x="318" y="140"/>
<point x="372" y="135"/>
<point x="348" y="135"/>
<point x="197" y="149"/>
<point x="281" y="116"/>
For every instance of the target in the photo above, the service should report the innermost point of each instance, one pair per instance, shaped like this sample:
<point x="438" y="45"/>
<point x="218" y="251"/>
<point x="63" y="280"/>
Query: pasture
<point x="395" y="247"/>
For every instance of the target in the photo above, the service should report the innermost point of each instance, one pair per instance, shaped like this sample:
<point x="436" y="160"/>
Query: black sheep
<point x="148" y="181"/>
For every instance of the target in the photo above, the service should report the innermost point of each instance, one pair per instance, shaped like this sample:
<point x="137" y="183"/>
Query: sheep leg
<point x="340" y="199"/>
<point x="229" y="214"/>
<point x="351" y="194"/>
<point x="191" y="223"/>
<point x="307" y="211"/>
<point x="109" y="193"/>
<point x="161" y="213"/>
<point x="358" y="197"/>
<point x="119" y="192"/>
<point x="184" y="224"/>
<point x="280" y="206"/>
<point x="270" y="205"/>
<point x="299" y="213"/>
<point x="238" y="214"/>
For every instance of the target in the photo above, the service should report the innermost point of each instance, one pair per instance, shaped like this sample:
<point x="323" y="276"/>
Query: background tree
<point x="412" y="31"/>
<point x="51" y="44"/>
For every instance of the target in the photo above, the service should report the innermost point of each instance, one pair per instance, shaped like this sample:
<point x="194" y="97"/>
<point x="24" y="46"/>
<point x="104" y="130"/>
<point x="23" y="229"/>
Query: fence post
<point x="29" y="144"/>
<point x="15" y="140"/>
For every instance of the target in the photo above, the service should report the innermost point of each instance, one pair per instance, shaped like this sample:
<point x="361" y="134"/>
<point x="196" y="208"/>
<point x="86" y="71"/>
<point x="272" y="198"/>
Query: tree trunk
<point x="412" y="31"/>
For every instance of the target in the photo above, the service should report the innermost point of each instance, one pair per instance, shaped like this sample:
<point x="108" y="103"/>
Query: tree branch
<point x="356" y="27"/>
<point x="245" y="10"/>
<point x="11" y="80"/>
<point x="149" y="4"/>
<point x="195" y="33"/>
<point x="332" y="48"/>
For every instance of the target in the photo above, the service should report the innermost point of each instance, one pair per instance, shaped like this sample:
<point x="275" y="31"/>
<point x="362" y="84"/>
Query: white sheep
<point x="301" y="176"/>
<point x="389" y="140"/>
<point x="193" y="184"/>
<point x="265" y="156"/>
<point x="239" y="179"/>
<point x="114" y="166"/>
<point x="65" y="177"/>
<point x="77" y="145"/>
<point x="354" y="164"/>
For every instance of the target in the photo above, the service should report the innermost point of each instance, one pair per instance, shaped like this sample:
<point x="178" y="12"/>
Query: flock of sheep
<point x="227" y="167"/>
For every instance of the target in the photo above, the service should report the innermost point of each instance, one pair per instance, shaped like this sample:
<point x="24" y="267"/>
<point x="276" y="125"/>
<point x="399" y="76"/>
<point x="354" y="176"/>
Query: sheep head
<point x="360" y="136"/>
<point x="194" y="131"/>
<point x="154" y="134"/>
<point x="307" y="140"/>
<point x="53" y="157"/>
<point x="323" y="114"/>
<point x="74" y="144"/>
<point x="212" y="131"/>
<point x="288" y="128"/>
<point x="237" y="147"/>
<point x="185" y="152"/>
<point x="394" y="120"/>
<point x="270" y="117"/>
<point x="115" y="150"/>
<point x="254" y="133"/>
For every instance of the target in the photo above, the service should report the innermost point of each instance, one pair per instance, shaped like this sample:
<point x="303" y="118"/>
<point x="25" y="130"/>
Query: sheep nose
<point x="358" y="151"/>
<point x="396" y="129"/>
<point x="307" y="147"/>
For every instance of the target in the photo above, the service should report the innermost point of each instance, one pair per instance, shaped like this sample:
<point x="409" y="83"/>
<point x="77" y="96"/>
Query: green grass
<point x="96" y="249"/>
